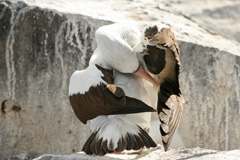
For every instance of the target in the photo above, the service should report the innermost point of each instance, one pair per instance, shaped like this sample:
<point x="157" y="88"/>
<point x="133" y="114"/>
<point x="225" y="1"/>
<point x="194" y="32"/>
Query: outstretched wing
<point x="170" y="101"/>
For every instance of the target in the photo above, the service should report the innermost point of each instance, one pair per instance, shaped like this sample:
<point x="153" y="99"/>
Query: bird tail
<point x="115" y="134"/>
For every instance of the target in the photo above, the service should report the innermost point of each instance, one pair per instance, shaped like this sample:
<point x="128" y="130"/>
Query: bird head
<point x="118" y="46"/>
<point x="159" y="46"/>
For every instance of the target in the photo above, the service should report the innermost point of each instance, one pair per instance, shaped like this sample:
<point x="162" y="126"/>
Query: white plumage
<point x="81" y="81"/>
<point x="119" y="121"/>
<point x="124" y="41"/>
<point x="117" y="49"/>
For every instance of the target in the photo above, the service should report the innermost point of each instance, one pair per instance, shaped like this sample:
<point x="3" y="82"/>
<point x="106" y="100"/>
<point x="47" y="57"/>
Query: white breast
<point x="139" y="89"/>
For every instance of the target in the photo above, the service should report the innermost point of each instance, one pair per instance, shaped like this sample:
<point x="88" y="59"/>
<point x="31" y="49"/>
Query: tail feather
<point x="122" y="144"/>
<point x="104" y="149"/>
<point x="149" y="141"/>
<point x="87" y="146"/>
<point x="97" y="146"/>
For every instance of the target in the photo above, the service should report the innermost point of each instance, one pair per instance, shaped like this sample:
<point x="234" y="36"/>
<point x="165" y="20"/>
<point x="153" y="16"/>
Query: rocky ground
<point x="153" y="154"/>
<point x="217" y="16"/>
<point x="43" y="41"/>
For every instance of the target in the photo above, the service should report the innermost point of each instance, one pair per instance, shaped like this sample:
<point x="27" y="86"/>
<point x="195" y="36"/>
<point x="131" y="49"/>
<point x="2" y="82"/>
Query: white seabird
<point x="100" y="103"/>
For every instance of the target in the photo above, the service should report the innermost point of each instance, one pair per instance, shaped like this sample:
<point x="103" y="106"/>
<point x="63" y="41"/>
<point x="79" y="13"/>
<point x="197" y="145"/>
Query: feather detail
<point x="101" y="98"/>
<point x="115" y="134"/>
<point x="170" y="101"/>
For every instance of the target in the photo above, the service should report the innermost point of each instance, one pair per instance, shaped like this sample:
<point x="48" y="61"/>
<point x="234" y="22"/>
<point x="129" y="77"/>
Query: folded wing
<point x="100" y="99"/>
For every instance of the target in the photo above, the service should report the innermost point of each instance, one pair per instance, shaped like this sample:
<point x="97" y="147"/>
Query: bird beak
<point x="143" y="74"/>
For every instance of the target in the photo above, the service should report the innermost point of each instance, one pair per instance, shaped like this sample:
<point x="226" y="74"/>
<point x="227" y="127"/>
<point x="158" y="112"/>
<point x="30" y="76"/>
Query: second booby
<point x="163" y="61"/>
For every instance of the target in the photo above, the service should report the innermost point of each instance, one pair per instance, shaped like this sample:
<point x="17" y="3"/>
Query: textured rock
<point x="218" y="16"/>
<point x="212" y="97"/>
<point x="39" y="51"/>
<point x="40" y="48"/>
<point x="183" y="154"/>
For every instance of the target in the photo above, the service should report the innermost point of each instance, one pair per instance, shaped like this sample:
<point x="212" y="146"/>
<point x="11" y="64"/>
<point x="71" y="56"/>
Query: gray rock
<point x="217" y="16"/>
<point x="40" y="48"/>
<point x="39" y="51"/>
<point x="210" y="82"/>
<point x="181" y="154"/>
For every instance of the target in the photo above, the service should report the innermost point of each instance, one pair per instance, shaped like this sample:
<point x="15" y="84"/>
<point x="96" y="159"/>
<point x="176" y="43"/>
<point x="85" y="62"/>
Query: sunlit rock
<point x="40" y="48"/>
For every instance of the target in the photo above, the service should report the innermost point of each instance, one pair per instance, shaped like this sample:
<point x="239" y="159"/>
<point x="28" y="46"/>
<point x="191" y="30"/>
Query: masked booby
<point x="163" y="62"/>
<point x="100" y="103"/>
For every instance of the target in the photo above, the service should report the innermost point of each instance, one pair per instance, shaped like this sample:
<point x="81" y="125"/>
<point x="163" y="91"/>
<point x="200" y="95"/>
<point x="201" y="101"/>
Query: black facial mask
<point x="155" y="60"/>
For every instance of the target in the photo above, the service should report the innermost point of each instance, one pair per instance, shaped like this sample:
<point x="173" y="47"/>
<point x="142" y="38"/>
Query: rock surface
<point x="183" y="154"/>
<point x="40" y="48"/>
<point x="217" y="16"/>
